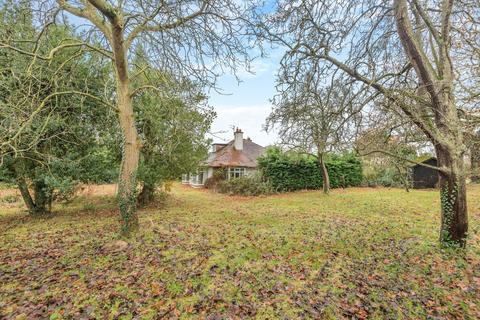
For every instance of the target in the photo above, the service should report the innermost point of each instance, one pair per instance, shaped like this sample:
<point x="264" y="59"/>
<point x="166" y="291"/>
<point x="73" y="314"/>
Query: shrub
<point x="344" y="170"/>
<point x="245" y="186"/>
<point x="217" y="177"/>
<point x="370" y="177"/>
<point x="289" y="172"/>
<point x="384" y="176"/>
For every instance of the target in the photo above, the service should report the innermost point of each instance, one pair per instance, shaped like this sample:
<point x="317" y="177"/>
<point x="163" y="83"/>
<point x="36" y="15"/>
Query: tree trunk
<point x="325" y="176"/>
<point x="475" y="161"/>
<point x="127" y="184"/>
<point x="406" y="182"/>
<point x="147" y="194"/>
<point x="27" y="198"/>
<point x="38" y="204"/>
<point x="130" y="158"/>
<point x="403" y="177"/>
<point x="42" y="197"/>
<point x="437" y="79"/>
<point x="453" y="195"/>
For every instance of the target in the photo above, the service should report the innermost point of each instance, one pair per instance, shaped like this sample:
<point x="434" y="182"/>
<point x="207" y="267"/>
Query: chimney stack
<point x="238" y="142"/>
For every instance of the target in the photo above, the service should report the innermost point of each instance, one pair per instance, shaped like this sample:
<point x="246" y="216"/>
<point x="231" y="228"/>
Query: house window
<point x="236" y="173"/>
<point x="200" y="177"/>
<point x="197" y="178"/>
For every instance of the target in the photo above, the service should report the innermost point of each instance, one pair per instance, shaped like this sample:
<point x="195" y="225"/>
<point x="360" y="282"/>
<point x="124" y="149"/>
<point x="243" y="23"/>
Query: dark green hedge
<point x="289" y="172"/>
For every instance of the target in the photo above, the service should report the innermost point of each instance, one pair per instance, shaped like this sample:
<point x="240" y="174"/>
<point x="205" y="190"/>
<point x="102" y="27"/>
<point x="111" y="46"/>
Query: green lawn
<point x="368" y="253"/>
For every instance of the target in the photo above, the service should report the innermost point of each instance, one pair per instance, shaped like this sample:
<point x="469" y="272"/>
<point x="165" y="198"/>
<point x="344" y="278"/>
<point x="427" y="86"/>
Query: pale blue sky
<point x="246" y="104"/>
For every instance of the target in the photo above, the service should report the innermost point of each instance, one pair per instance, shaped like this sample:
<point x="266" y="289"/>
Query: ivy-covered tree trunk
<point x="127" y="184"/>
<point x="325" y="176"/>
<point x="436" y="78"/>
<point x="450" y="150"/>
<point x="131" y="143"/>
<point x="453" y="193"/>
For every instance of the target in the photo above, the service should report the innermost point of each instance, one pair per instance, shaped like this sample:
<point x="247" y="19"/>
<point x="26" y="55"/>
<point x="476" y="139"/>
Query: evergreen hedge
<point x="289" y="172"/>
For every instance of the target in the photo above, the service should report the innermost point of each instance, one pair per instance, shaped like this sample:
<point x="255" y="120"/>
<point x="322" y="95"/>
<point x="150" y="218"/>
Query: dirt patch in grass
<point x="8" y="192"/>
<point x="363" y="253"/>
<point x="89" y="190"/>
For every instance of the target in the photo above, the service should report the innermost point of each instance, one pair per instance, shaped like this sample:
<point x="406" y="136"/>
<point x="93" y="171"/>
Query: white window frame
<point x="196" y="179"/>
<point x="236" y="172"/>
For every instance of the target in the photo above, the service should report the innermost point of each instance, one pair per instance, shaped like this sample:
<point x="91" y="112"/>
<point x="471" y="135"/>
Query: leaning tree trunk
<point x="40" y="203"/>
<point x="325" y="176"/>
<point x="131" y="143"/>
<point x="26" y="196"/>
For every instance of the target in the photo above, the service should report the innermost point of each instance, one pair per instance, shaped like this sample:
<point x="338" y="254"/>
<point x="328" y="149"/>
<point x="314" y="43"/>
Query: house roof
<point x="228" y="156"/>
<point x="421" y="159"/>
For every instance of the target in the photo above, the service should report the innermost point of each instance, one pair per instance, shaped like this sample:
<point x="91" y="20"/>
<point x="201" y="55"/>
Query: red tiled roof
<point x="228" y="156"/>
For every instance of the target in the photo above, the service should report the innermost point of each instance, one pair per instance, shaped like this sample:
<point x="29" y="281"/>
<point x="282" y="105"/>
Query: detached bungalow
<point x="236" y="158"/>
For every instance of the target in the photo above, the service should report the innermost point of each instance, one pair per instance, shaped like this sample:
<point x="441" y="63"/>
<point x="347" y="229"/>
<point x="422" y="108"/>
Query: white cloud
<point x="249" y="118"/>
<point x="257" y="68"/>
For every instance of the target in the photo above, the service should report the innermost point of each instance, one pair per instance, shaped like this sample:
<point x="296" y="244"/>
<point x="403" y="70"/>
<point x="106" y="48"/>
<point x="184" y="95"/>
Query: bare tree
<point x="314" y="115"/>
<point x="198" y="39"/>
<point x="403" y="50"/>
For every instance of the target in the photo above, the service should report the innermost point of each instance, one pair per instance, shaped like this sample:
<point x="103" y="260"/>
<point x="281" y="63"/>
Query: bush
<point x="289" y="172"/>
<point x="245" y="186"/>
<point x="217" y="177"/>
<point x="385" y="177"/>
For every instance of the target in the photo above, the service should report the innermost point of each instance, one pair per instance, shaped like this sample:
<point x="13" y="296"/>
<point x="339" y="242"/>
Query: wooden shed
<point x="424" y="177"/>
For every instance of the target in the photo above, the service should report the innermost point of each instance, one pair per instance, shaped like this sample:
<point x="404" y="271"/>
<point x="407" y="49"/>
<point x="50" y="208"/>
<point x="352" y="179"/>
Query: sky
<point x="246" y="104"/>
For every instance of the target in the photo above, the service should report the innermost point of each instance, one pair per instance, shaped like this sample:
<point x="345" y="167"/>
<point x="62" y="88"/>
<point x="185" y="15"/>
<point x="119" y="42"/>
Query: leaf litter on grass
<point x="358" y="253"/>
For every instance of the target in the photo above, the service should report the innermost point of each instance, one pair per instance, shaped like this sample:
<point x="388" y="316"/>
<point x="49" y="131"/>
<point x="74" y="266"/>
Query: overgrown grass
<point x="368" y="253"/>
